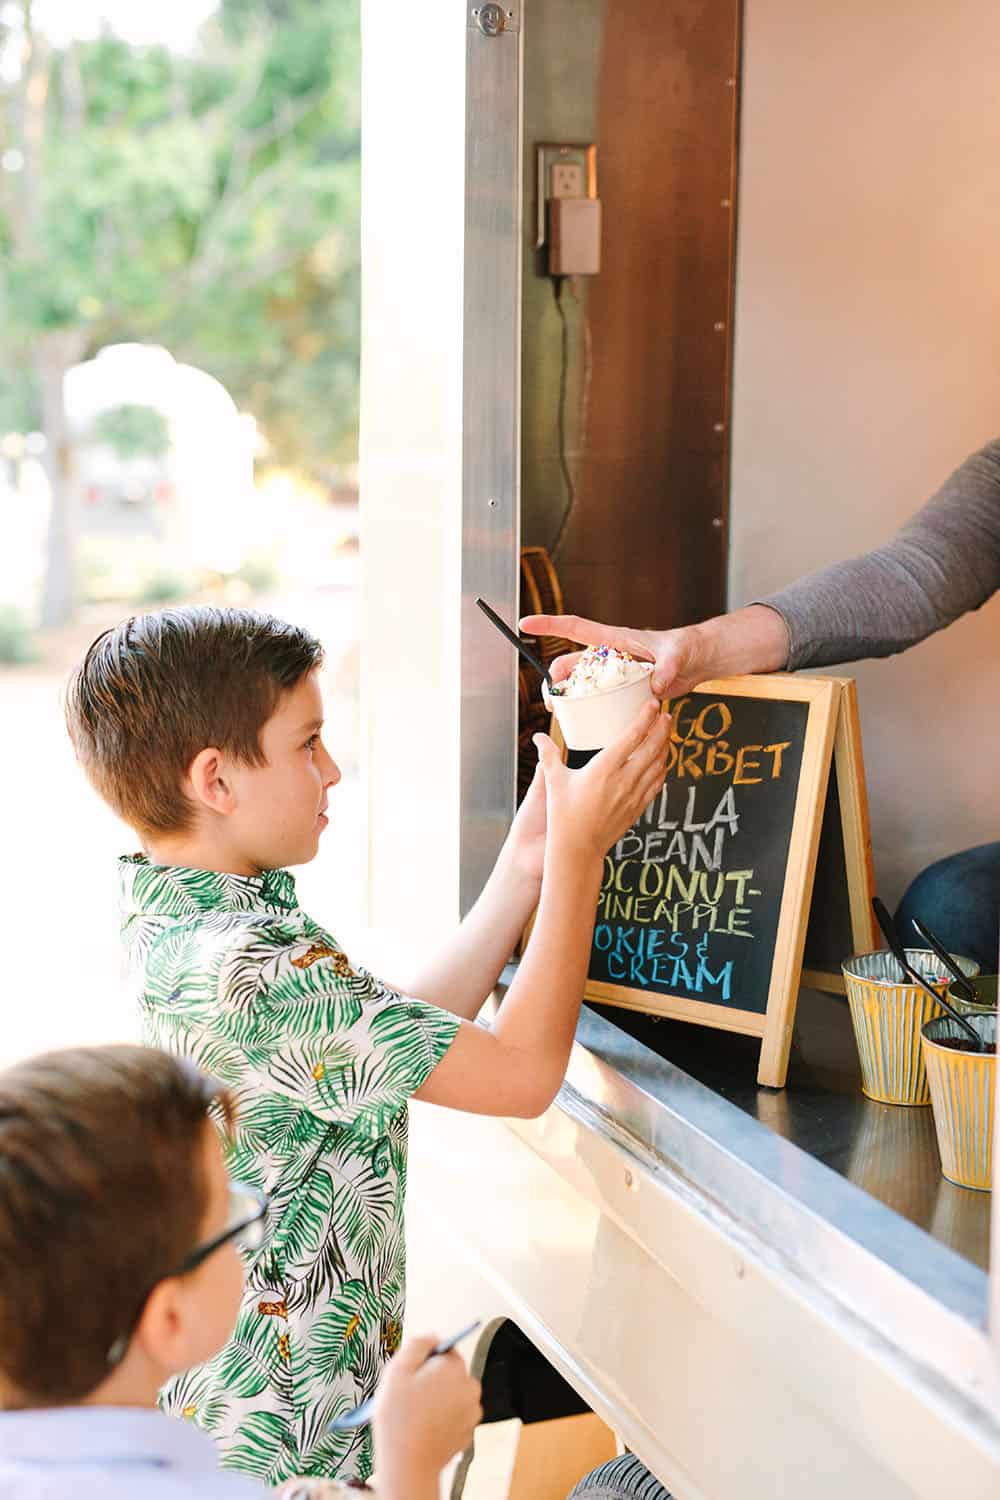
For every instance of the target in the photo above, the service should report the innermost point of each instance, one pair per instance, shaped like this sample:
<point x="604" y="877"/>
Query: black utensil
<point x="362" y="1414"/>
<point x="515" y="641"/>
<point x="889" y="931"/>
<point x="892" y="937"/>
<point x="962" y="981"/>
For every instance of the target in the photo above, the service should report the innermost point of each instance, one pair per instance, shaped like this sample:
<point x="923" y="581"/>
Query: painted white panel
<point x="867" y="360"/>
<point x="413" y="143"/>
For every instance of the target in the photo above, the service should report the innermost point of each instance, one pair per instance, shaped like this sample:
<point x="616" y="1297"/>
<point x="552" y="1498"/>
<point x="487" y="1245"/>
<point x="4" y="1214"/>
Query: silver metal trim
<point x="820" y="1232"/>
<point x="511" y="17"/>
<point x="491" y="445"/>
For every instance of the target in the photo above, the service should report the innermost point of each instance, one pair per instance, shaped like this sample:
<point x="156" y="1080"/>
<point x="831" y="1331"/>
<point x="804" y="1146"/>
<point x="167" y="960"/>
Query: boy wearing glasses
<point x="120" y="1235"/>
<point x="202" y="728"/>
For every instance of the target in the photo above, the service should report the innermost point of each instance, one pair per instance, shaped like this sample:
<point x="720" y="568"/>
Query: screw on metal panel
<point x="730" y="83"/>
<point x="717" y="522"/>
<point x="725" y="203"/>
<point x="719" y="327"/>
<point x="719" y="427"/>
<point x="491" y="19"/>
<point x="492" y="504"/>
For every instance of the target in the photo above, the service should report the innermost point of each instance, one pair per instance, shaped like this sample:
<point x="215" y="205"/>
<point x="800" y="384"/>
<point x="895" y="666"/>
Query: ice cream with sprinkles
<point x="601" y="669"/>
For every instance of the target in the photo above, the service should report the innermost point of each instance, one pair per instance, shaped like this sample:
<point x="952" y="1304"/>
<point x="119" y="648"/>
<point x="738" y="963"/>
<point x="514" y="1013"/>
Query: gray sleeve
<point x="943" y="562"/>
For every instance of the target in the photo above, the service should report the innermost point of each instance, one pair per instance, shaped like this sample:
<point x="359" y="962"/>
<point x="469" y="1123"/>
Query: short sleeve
<point x="339" y="1042"/>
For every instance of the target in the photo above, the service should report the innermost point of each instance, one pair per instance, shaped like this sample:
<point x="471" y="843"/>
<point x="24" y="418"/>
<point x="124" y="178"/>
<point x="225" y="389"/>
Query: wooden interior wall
<point x="646" y="438"/>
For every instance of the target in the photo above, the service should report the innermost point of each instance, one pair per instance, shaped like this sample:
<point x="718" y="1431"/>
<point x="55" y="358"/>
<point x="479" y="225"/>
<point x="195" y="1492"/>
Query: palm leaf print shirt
<point x="321" y="1059"/>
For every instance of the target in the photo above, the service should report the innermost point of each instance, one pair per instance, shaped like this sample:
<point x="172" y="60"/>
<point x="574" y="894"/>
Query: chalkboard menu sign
<point x="705" y="902"/>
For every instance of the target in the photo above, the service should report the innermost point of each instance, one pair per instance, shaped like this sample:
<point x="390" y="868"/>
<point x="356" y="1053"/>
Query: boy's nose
<point x="331" y="772"/>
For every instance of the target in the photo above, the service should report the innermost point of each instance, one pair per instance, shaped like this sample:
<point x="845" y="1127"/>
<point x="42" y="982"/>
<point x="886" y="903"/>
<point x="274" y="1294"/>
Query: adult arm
<point x="943" y="562"/>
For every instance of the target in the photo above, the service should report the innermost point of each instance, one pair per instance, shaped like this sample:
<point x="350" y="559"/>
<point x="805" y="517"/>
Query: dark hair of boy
<point x="102" y="1194"/>
<point x="158" y="688"/>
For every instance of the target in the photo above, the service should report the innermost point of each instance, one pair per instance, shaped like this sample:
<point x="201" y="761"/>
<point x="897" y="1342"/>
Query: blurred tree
<point x="132" y="431"/>
<point x="207" y="200"/>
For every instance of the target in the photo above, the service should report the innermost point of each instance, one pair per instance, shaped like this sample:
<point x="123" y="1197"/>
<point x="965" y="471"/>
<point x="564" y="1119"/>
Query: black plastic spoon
<point x="515" y="641"/>
<point x="892" y="937"/>
<point x="962" y="981"/>
<point x="362" y="1415"/>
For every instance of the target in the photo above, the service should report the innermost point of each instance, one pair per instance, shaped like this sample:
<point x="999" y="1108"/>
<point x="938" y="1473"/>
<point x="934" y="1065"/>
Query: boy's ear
<point x="211" y="782"/>
<point x="161" y="1333"/>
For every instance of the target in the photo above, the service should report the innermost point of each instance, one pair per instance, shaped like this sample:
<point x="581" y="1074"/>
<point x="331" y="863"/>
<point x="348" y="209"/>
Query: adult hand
<point x="426" y="1412"/>
<point x="594" y="806"/>
<point x="754" y="639"/>
<point x="676" y="653"/>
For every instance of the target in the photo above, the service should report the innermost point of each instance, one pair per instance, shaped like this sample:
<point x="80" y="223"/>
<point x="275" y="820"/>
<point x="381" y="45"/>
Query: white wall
<point x="413" y="171"/>
<point x="867" y="359"/>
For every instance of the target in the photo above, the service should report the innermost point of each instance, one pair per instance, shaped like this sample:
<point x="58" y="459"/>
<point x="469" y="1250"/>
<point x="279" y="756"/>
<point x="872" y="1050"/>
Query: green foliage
<point x="163" y="586"/>
<point x="206" y="201"/>
<point x="132" y="431"/>
<point x="18" y="399"/>
<point x="18" y="646"/>
<point x="260" y="574"/>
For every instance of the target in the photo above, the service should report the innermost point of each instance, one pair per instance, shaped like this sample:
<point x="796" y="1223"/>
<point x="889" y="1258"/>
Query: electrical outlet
<point x="566" y="180"/>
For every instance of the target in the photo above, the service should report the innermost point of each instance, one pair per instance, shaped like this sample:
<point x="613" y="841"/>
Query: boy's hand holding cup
<point x="594" y="806"/>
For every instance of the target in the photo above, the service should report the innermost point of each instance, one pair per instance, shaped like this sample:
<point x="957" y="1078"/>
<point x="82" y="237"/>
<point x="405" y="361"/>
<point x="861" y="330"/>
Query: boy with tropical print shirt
<point x="202" y="729"/>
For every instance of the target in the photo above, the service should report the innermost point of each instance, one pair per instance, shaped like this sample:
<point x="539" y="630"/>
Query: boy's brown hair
<point x="159" y="688"/>
<point x="102" y="1194"/>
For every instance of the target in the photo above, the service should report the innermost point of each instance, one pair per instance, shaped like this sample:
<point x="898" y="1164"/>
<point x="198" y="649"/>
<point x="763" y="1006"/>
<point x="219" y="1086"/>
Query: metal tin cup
<point x="962" y="1085"/>
<point x="985" y="986"/>
<point x="887" y="1014"/>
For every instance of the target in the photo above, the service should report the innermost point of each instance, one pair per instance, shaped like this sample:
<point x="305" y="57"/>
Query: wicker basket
<point x="541" y="594"/>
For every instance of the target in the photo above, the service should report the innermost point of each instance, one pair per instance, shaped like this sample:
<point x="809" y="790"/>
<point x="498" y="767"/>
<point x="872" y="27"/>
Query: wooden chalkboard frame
<point x="855" y="838"/>
<point x="825" y="699"/>
<point x="833" y="738"/>
<point x="822" y="698"/>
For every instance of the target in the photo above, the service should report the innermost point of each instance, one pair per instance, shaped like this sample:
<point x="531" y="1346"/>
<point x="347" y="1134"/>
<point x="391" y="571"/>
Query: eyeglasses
<point x="246" y="1224"/>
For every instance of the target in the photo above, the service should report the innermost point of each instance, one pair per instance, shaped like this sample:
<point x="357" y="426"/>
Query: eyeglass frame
<point x="197" y="1257"/>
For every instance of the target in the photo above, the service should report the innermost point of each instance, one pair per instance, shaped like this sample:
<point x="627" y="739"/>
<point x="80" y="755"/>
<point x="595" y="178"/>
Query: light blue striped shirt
<point x="111" y="1453"/>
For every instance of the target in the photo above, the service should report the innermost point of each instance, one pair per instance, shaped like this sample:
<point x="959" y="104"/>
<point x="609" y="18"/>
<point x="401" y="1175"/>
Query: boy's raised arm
<point x="463" y="973"/>
<point x="517" y="1066"/>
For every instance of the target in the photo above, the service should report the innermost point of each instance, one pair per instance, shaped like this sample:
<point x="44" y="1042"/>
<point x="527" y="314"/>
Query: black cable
<point x="557" y="286"/>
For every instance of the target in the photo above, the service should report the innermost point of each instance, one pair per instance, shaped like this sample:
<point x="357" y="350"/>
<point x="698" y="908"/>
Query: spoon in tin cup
<point x="892" y="937"/>
<point x="516" y="642"/>
<point x="962" y="981"/>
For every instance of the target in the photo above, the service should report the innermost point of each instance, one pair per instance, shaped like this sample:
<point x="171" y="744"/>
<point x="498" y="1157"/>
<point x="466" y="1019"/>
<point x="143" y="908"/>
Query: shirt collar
<point x="175" y="891"/>
<point x="104" y="1434"/>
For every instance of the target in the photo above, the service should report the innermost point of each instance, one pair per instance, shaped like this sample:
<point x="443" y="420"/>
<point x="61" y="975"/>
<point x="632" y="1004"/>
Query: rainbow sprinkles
<point x="601" y="669"/>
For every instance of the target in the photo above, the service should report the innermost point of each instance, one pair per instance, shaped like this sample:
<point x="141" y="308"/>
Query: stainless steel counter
<point x="674" y="1239"/>
<point x="890" y="1152"/>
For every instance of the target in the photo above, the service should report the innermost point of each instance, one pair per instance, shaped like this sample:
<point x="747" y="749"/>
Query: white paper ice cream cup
<point x="591" y="723"/>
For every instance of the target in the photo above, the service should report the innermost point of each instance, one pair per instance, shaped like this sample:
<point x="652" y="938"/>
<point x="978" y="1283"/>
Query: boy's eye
<point x="312" y="742"/>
